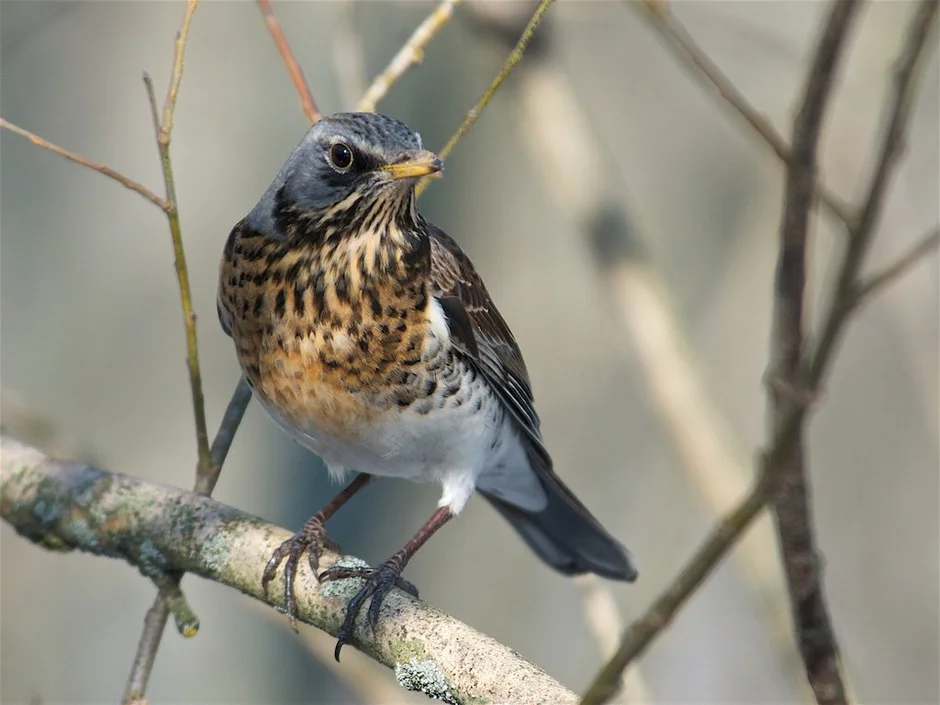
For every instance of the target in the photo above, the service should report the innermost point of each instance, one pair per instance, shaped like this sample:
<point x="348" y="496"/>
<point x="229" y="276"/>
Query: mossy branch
<point x="160" y="530"/>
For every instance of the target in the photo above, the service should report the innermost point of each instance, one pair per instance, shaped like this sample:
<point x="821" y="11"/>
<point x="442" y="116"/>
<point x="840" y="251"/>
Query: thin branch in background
<point x="163" y="132"/>
<point x="347" y="53"/>
<point x="514" y="57"/>
<point x="364" y="677"/>
<point x="117" y="516"/>
<point x="307" y="103"/>
<point x="409" y="55"/>
<point x="693" y="57"/>
<point x="927" y="244"/>
<point x="786" y="432"/>
<point x="155" y="621"/>
<point x="605" y="624"/>
<point x="160" y="203"/>
<point x="567" y="152"/>
<point x="165" y="602"/>
<point x="898" y="111"/>
<point x="791" y="500"/>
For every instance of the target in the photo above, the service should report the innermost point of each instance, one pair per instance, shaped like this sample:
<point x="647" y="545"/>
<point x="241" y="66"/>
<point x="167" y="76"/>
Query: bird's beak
<point x="419" y="164"/>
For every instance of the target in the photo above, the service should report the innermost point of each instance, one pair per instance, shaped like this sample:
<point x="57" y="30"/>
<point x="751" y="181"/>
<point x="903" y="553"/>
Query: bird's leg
<point x="312" y="538"/>
<point x="379" y="582"/>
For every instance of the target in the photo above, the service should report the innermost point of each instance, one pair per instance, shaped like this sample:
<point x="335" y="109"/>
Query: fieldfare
<point x="367" y="335"/>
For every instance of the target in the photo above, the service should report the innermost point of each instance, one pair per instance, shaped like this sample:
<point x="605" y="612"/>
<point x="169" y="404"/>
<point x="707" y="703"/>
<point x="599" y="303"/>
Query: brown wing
<point x="480" y="333"/>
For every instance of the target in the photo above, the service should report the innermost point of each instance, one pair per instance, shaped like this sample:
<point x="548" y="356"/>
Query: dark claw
<point x="378" y="583"/>
<point x="311" y="537"/>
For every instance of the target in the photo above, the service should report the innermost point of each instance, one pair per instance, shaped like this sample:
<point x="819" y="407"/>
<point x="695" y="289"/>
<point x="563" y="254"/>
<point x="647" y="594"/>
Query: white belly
<point x="450" y="445"/>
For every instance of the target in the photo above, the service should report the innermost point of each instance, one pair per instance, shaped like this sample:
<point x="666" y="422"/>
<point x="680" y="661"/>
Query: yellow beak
<point x="422" y="163"/>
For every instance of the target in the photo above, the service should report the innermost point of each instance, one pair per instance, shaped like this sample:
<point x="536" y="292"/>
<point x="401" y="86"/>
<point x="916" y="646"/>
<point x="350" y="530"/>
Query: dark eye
<point x="341" y="156"/>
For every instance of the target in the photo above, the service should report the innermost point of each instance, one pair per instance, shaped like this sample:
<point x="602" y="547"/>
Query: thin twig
<point x="117" y="516"/>
<point x="899" y="109"/>
<point x="865" y="289"/>
<point x="307" y="103"/>
<point x="157" y="615"/>
<point x="787" y="431"/>
<point x="176" y="75"/>
<point x="605" y="623"/>
<point x="222" y="442"/>
<point x="693" y="57"/>
<point x="480" y="105"/>
<point x="155" y="622"/>
<point x="409" y="55"/>
<point x="578" y="173"/>
<point x="160" y="203"/>
<point x="792" y="504"/>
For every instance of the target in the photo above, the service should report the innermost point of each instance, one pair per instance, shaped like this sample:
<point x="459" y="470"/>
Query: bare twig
<point x="896" y="123"/>
<point x="146" y="524"/>
<point x="409" y="55"/>
<point x="788" y="427"/>
<point x="480" y="105"/>
<point x="163" y="132"/>
<point x="307" y="103"/>
<point x="222" y="442"/>
<point x="155" y="621"/>
<point x="605" y="624"/>
<point x="791" y="498"/>
<point x="578" y="173"/>
<point x="701" y="66"/>
<point x="362" y="676"/>
<point x="169" y="595"/>
<point x="865" y="289"/>
<point x="176" y="75"/>
<point x="160" y="203"/>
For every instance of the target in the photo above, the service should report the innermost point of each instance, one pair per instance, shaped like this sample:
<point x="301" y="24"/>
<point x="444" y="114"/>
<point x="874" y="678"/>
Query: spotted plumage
<point x="367" y="334"/>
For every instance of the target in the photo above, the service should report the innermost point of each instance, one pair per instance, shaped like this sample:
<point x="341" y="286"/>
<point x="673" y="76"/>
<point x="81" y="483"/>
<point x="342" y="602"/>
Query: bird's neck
<point x="359" y="243"/>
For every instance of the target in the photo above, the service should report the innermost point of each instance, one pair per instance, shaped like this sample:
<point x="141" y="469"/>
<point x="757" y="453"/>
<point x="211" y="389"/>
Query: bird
<point x="366" y="333"/>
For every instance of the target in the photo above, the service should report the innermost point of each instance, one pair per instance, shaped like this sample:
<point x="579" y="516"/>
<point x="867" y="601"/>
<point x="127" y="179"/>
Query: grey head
<point x="342" y="155"/>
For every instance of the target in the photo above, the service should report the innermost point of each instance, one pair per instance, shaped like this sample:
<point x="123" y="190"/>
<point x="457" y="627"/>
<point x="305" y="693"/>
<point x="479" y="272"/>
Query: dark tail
<point x="566" y="536"/>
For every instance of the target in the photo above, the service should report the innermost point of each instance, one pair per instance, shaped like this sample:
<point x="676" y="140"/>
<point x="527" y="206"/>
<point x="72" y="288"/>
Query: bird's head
<point x="349" y="169"/>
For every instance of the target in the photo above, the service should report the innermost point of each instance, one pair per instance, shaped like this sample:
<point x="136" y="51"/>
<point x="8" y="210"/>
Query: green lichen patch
<point x="345" y="588"/>
<point x="425" y="677"/>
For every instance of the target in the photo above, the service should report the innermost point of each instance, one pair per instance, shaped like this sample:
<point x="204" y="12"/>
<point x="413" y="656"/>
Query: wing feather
<point x="481" y="333"/>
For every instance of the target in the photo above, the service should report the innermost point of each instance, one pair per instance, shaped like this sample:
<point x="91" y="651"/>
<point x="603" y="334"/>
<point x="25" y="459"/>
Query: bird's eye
<point x="341" y="156"/>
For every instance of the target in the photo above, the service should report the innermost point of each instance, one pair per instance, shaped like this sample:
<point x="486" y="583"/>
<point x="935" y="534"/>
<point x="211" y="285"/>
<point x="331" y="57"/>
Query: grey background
<point x="92" y="340"/>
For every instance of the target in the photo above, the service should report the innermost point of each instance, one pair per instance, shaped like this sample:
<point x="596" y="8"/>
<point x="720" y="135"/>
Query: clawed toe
<point x="311" y="539"/>
<point x="378" y="583"/>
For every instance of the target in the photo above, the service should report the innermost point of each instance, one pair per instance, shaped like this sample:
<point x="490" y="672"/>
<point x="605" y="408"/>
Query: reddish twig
<point x="307" y="103"/>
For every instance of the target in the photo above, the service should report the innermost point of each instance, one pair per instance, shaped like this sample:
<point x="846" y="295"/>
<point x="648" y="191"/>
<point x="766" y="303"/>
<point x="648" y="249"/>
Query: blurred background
<point x="93" y="350"/>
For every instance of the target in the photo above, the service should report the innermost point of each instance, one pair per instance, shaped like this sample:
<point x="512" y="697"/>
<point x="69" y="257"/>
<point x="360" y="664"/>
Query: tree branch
<point x="307" y="103"/>
<point x="788" y="427"/>
<point x="700" y="66"/>
<point x="160" y="529"/>
<point x="865" y="289"/>
<point x="160" y="203"/>
<point x="409" y="55"/>
<point x="169" y="597"/>
<point x="169" y="600"/>
<point x="514" y="57"/>
<point x="791" y="493"/>
<point x="897" y="113"/>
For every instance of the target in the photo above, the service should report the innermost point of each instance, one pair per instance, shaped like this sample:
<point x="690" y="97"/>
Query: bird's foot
<point x="311" y="538"/>
<point x="378" y="583"/>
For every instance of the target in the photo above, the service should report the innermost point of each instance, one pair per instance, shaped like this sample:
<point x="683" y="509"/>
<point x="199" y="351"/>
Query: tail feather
<point x="566" y="536"/>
